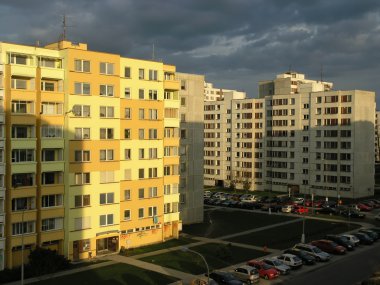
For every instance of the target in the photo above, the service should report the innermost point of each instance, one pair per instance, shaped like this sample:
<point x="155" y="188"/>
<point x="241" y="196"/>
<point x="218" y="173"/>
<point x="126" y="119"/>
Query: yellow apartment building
<point x="88" y="151"/>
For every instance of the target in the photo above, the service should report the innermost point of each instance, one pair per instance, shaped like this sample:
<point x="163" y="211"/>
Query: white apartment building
<point x="298" y="136"/>
<point x="217" y="94"/>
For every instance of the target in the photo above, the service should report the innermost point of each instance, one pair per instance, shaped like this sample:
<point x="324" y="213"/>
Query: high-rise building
<point x="299" y="136"/>
<point x="83" y="167"/>
<point x="191" y="147"/>
<point x="377" y="136"/>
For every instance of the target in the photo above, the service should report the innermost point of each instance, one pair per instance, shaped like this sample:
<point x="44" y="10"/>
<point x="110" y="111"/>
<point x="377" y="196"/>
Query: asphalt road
<point x="350" y="269"/>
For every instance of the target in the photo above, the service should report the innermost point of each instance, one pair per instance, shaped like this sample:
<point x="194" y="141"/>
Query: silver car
<point x="278" y="265"/>
<point x="247" y="274"/>
<point x="290" y="260"/>
<point x="314" y="251"/>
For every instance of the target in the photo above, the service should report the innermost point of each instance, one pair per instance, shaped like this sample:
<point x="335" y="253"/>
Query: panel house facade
<point x="82" y="164"/>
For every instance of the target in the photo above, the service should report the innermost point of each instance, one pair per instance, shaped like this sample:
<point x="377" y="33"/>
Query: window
<point x="22" y="155"/>
<point x="141" y="153"/>
<point x="153" y="172"/>
<point x="82" y="88"/>
<point x="82" y="155"/>
<point x="152" y="94"/>
<point x="346" y="98"/>
<point x="153" y="134"/>
<point x="106" y="198"/>
<point x="141" y="193"/>
<point x="81" y="65"/>
<point x="153" y="192"/>
<point x="152" y="153"/>
<point x="81" y="110"/>
<point x="153" y="74"/>
<point x="23" y="107"/>
<point x="141" y="134"/>
<point x="106" y="133"/>
<point x="106" y="68"/>
<point x="183" y="102"/>
<point x="106" y="90"/>
<point x="22" y="179"/>
<point x="21" y="204"/>
<point x="82" y="223"/>
<point x="141" y="173"/>
<point x="127" y="133"/>
<point x="106" y="154"/>
<point x="127" y="93"/>
<point x="153" y="114"/>
<point x="127" y="215"/>
<point x="141" y="213"/>
<point x="127" y="72"/>
<point x="127" y="113"/>
<point x="51" y="131"/>
<point x="152" y="211"/>
<point x="81" y="201"/>
<point x="52" y="200"/>
<point x="47" y="86"/>
<point x="106" y="112"/>
<point x="82" y="178"/>
<point x="107" y="176"/>
<point x="141" y="73"/>
<point x="127" y="194"/>
<point x="127" y="154"/>
<point x="183" y="84"/>
<point x="141" y="94"/>
<point x="82" y="133"/>
<point x="106" y="220"/>
<point x="141" y="114"/>
<point x="52" y="108"/>
<point x="23" y="228"/>
<point x="17" y="59"/>
<point x="171" y="113"/>
<point x="127" y="174"/>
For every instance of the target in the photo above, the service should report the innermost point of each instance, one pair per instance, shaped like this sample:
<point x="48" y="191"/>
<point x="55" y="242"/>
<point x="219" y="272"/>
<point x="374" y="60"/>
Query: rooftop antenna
<point x="64" y="27"/>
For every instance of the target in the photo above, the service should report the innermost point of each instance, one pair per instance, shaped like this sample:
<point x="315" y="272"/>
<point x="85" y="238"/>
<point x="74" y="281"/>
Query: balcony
<point x="171" y="217"/>
<point x="171" y="84"/>
<point x="23" y="70"/>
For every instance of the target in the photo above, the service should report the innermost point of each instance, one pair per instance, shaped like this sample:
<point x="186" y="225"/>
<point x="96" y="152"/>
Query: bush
<point x="44" y="261"/>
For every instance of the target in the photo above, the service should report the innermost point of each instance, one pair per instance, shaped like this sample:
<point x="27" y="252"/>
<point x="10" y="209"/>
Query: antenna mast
<point x="64" y="26"/>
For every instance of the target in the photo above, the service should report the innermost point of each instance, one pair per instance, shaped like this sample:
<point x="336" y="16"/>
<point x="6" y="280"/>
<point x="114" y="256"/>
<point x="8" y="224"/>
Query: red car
<point x="265" y="270"/>
<point x="364" y="208"/>
<point x="300" y="210"/>
<point x="329" y="246"/>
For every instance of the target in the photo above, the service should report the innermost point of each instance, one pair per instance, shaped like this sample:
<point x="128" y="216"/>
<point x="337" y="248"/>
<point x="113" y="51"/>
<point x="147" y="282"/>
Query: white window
<point x="52" y="224"/>
<point x="106" y="154"/>
<point x="48" y="86"/>
<point x="152" y="153"/>
<point x="81" y="201"/>
<point x="141" y="213"/>
<point x="127" y="93"/>
<point x="141" y="114"/>
<point x="153" y="172"/>
<point x="23" y="228"/>
<point x="52" y="108"/>
<point x="127" y="194"/>
<point x="82" y="133"/>
<point x="106" y="68"/>
<point x="82" y="178"/>
<point x="141" y="134"/>
<point x="106" y="198"/>
<point x="107" y="176"/>
<point x="18" y="83"/>
<point x="127" y="72"/>
<point x="153" y="192"/>
<point x="127" y="215"/>
<point x="52" y="200"/>
<point x="81" y="65"/>
<point x="82" y="88"/>
<point x="81" y="110"/>
<point x="152" y="211"/>
<point x="141" y="73"/>
<point x="152" y="134"/>
<point x="106" y="112"/>
<point x="23" y="107"/>
<point x="22" y="155"/>
<point x="51" y="131"/>
<point x="152" y="94"/>
<point x="82" y="223"/>
<point x="106" y="220"/>
<point x="153" y="74"/>
<point x="106" y="90"/>
<point x="141" y="94"/>
<point x="141" y="153"/>
<point x="106" y="133"/>
<point x="127" y="174"/>
<point x="82" y="155"/>
<point x="127" y="154"/>
<point x="17" y="59"/>
<point x="127" y="113"/>
<point x="153" y="114"/>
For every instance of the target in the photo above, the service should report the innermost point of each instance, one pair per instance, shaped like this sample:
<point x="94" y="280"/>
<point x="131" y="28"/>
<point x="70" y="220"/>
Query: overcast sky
<point x="234" y="43"/>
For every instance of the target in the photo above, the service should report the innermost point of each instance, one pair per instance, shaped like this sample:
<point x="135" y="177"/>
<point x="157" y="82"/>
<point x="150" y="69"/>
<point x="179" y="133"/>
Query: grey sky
<point x="235" y="43"/>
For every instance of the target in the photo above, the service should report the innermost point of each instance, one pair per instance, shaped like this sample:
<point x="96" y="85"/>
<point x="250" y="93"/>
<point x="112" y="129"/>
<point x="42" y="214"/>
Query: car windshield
<point x="266" y="266"/>
<point x="228" y="276"/>
<point x="276" y="262"/>
<point x="253" y="271"/>
<point x="334" y="244"/>
<point x="317" y="250"/>
<point x="296" y="259"/>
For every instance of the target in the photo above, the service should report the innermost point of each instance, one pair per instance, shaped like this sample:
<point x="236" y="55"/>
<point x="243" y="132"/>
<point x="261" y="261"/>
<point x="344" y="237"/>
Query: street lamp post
<point x="185" y="249"/>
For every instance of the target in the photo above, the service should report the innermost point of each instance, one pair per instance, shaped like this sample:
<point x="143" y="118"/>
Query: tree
<point x="232" y="185"/>
<point x="44" y="261"/>
<point x="246" y="185"/>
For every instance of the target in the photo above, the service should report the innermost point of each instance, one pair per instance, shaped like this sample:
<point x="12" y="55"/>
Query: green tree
<point x="45" y="261"/>
<point x="246" y="185"/>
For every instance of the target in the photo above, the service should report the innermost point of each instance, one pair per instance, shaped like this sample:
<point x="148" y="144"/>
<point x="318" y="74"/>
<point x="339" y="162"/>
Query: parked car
<point x="247" y="274"/>
<point x="353" y="207"/>
<point x="352" y="214"/>
<point x="298" y="200"/>
<point x="341" y="241"/>
<point x="327" y="211"/>
<point x="291" y="260"/>
<point x="370" y="233"/>
<point x="376" y="230"/>
<point x="377" y="217"/>
<point x="318" y="203"/>
<point x="364" y="238"/>
<point x="287" y="208"/>
<point x="207" y="194"/>
<point x="248" y="198"/>
<point x="225" y="278"/>
<point x="314" y="251"/>
<point x="278" y="265"/>
<point x="352" y="238"/>
<point x="329" y="246"/>
<point x="300" y="210"/>
<point x="364" y="208"/>
<point x="265" y="270"/>
<point x="303" y="255"/>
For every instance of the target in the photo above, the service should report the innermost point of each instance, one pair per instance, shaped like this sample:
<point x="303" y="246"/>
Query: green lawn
<point x="216" y="255"/>
<point x="283" y="237"/>
<point x="228" y="221"/>
<point x="112" y="274"/>
<point x="158" y="246"/>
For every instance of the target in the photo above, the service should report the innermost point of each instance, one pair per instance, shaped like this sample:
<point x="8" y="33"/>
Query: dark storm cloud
<point x="234" y="43"/>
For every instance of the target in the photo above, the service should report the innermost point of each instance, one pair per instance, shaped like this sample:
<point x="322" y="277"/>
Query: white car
<point x="299" y="200"/>
<point x="207" y="194"/>
<point x="248" y="198"/>
<point x="352" y="238"/>
<point x="287" y="208"/>
<point x="247" y="274"/>
<point x="290" y="260"/>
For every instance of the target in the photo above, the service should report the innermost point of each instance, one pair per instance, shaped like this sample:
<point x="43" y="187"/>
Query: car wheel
<point x="266" y="277"/>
